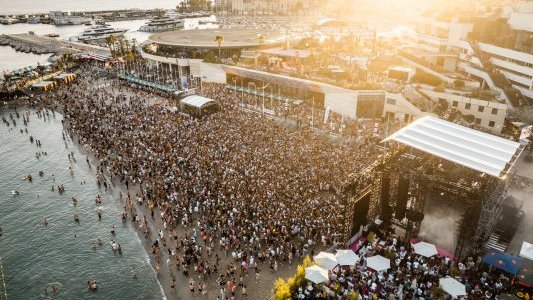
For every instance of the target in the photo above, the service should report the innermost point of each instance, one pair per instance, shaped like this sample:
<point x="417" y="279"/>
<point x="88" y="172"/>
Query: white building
<point x="487" y="114"/>
<point x="448" y="44"/>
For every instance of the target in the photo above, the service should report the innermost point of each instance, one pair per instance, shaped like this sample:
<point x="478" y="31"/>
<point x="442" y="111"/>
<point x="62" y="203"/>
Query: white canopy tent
<point x="425" y="249"/>
<point x="346" y="257"/>
<point x="452" y="287"/>
<point x="471" y="148"/>
<point x="326" y="260"/>
<point x="378" y="263"/>
<point x="196" y="104"/>
<point x="526" y="251"/>
<point x="196" y="101"/>
<point x="316" y="274"/>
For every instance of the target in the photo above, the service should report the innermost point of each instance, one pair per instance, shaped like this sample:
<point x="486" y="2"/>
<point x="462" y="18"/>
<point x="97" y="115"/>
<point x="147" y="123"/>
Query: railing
<point x="420" y="61"/>
<point x="513" y="95"/>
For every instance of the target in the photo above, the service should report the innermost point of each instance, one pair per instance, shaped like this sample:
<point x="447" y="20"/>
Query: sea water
<point x="35" y="256"/>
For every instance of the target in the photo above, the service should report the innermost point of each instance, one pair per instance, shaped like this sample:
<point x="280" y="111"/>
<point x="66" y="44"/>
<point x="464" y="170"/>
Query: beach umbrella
<point x="316" y="274"/>
<point x="503" y="261"/>
<point x="425" y="249"/>
<point x="526" y="251"/>
<point x="346" y="257"/>
<point x="378" y="263"/>
<point x="452" y="286"/>
<point x="326" y="260"/>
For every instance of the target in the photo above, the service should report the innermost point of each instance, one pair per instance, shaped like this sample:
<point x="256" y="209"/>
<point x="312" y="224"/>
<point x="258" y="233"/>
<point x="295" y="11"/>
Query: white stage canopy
<point x="196" y="101"/>
<point x="471" y="148"/>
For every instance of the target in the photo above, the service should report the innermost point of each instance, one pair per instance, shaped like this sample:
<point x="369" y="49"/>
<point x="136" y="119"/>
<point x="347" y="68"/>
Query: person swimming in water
<point x="45" y="223"/>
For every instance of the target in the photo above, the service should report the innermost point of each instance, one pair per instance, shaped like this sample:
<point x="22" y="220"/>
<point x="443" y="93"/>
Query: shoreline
<point x="117" y="188"/>
<point x="262" y="288"/>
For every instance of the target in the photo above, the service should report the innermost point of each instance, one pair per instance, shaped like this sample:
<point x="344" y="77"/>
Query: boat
<point x="8" y="21"/>
<point x="99" y="32"/>
<point x="162" y="24"/>
<point x="52" y="35"/>
<point x="63" y="18"/>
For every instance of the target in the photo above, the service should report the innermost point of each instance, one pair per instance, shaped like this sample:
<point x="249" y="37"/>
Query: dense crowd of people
<point x="232" y="184"/>
<point x="410" y="276"/>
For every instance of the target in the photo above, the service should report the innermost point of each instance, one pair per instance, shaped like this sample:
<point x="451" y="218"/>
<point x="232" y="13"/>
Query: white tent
<point x="425" y="249"/>
<point x="346" y="257"/>
<point x="452" y="287"/>
<point x="527" y="251"/>
<point x="378" y="263"/>
<point x="326" y="260"/>
<point x="316" y="274"/>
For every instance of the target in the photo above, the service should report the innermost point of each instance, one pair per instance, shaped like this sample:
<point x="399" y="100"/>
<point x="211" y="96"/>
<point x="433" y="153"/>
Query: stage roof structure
<point x="197" y="101"/>
<point x="468" y="147"/>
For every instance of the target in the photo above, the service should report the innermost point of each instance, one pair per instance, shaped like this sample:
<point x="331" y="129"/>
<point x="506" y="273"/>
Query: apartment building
<point x="487" y="114"/>
<point x="494" y="47"/>
<point x="252" y="7"/>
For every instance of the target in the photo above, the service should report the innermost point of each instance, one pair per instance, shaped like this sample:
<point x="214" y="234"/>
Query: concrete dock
<point x="37" y="44"/>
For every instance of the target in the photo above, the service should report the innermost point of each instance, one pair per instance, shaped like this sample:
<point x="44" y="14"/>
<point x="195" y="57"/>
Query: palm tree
<point x="219" y="39"/>
<point x="133" y="46"/>
<point x="110" y="41"/>
<point x="261" y="39"/>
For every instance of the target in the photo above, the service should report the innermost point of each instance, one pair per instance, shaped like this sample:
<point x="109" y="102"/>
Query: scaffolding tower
<point x="482" y="195"/>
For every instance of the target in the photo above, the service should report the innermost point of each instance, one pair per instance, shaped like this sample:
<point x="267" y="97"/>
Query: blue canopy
<point x="503" y="261"/>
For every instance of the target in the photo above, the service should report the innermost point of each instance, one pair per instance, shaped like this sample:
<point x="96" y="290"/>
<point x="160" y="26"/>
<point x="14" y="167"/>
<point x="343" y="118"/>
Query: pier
<point x="31" y="43"/>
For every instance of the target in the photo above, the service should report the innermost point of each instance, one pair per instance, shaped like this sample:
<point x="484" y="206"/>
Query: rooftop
<point x="205" y="38"/>
<point x="471" y="148"/>
<point x="287" y="52"/>
<point x="196" y="101"/>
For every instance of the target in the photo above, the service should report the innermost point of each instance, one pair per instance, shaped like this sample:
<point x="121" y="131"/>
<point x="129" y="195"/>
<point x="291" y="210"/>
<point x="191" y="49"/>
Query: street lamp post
<point x="255" y="94"/>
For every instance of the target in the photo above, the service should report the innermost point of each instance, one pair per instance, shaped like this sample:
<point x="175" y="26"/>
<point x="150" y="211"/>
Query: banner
<point x="184" y="82"/>
<point x="525" y="134"/>
<point x="326" y="115"/>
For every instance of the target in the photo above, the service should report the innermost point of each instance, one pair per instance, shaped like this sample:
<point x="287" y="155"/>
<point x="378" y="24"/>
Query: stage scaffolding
<point x="429" y="176"/>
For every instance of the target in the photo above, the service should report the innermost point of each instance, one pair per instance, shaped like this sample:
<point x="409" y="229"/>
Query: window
<point x="455" y="104"/>
<point x="467" y="106"/>
<point x="494" y="111"/>
<point x="478" y="121"/>
<point x="391" y="101"/>
<point x="481" y="108"/>
<point x="491" y="123"/>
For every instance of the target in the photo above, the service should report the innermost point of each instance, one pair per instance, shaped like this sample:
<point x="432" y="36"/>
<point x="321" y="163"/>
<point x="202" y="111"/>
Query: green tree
<point x="219" y="39"/>
<point x="458" y="83"/>
<point x="110" y="41"/>
<point x="261" y="40"/>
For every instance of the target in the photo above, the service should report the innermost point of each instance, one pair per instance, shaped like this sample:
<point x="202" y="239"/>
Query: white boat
<point x="162" y="24"/>
<point x="100" y="32"/>
<point x="8" y="21"/>
<point x="63" y="18"/>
